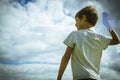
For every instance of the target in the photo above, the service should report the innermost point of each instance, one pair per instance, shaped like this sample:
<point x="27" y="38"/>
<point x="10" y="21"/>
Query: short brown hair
<point x="91" y="14"/>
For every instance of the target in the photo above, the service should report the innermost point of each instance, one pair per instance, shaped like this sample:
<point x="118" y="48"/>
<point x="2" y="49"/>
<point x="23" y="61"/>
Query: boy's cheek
<point x="76" y="24"/>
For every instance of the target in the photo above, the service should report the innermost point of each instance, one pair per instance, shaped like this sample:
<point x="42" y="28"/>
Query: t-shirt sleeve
<point x="70" y="40"/>
<point x="105" y="42"/>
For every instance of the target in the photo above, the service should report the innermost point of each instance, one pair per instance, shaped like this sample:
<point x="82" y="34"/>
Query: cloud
<point x="112" y="7"/>
<point x="33" y="33"/>
<point x="110" y="63"/>
<point x="25" y="72"/>
<point x="109" y="74"/>
<point x="115" y="65"/>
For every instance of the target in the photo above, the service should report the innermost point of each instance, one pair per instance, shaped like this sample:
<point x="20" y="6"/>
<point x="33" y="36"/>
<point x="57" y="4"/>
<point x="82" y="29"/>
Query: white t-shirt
<point x="86" y="56"/>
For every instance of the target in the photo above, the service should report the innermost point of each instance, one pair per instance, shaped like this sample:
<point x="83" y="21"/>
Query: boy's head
<point x="90" y="13"/>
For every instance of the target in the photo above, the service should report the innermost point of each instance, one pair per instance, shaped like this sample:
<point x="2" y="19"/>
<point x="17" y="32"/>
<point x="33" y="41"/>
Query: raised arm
<point x="64" y="62"/>
<point x="115" y="39"/>
<point x="109" y="23"/>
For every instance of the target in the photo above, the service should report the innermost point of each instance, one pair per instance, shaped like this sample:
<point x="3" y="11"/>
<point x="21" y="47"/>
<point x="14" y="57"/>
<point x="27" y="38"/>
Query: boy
<point x="85" y="47"/>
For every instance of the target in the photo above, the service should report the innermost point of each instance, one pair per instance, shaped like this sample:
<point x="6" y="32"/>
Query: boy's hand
<point x="108" y="21"/>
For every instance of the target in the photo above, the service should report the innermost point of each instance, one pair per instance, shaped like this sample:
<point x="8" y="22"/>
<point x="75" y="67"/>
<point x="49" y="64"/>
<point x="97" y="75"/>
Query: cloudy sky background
<point x="32" y="34"/>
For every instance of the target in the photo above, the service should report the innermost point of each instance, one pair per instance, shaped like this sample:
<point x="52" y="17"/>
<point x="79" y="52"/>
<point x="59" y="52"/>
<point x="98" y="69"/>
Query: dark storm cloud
<point x="115" y="57"/>
<point x="115" y="66"/>
<point x="113" y="6"/>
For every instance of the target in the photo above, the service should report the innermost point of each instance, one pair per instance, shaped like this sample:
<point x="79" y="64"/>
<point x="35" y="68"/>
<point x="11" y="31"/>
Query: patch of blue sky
<point x="27" y="62"/>
<point x="24" y="2"/>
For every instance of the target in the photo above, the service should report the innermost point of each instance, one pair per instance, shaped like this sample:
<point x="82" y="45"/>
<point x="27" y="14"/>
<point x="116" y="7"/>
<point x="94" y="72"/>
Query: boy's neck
<point x="85" y="26"/>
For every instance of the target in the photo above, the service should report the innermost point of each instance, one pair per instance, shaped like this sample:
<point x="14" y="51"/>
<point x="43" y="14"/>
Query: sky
<point x="32" y="34"/>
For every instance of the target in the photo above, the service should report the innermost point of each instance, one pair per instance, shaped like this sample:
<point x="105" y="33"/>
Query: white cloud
<point x="35" y="34"/>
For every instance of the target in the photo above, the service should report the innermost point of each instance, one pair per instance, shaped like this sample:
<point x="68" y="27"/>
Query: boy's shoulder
<point x="81" y="32"/>
<point x="84" y="31"/>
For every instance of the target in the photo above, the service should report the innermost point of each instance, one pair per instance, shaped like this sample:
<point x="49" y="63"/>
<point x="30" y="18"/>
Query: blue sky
<point x="32" y="34"/>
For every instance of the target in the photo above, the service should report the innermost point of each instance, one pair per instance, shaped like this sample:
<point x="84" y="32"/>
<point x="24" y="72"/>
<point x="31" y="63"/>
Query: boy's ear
<point x="84" y="18"/>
